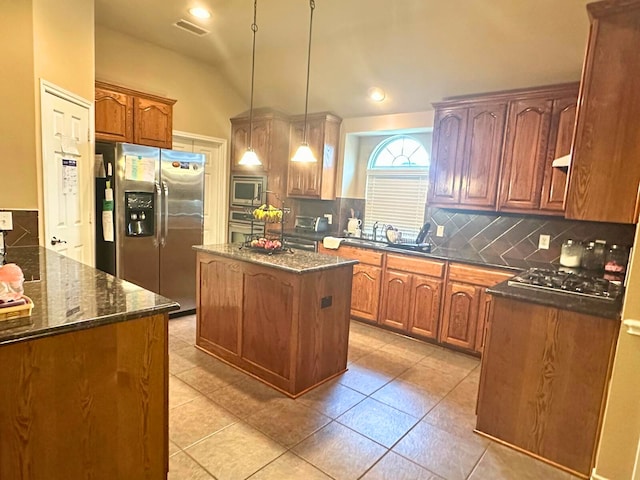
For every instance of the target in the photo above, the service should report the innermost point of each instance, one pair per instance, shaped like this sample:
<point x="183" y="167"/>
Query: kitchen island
<point x="84" y="378"/>
<point x="282" y="318"/>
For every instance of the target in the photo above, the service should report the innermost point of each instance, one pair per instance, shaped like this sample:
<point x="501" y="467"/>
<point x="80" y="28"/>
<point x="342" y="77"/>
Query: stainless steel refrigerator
<point x="157" y="218"/>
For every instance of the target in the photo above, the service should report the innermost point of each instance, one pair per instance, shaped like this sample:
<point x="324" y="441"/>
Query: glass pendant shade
<point x="250" y="159"/>
<point x="304" y="154"/>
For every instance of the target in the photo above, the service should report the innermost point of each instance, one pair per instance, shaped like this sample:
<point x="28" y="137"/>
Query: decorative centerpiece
<point x="272" y="240"/>
<point x="13" y="302"/>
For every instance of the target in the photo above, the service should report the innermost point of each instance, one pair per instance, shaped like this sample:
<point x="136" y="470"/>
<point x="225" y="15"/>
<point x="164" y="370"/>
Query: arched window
<point x="397" y="181"/>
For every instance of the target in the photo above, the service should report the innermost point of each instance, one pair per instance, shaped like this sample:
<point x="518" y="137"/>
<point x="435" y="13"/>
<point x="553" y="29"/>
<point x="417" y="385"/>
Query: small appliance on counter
<point x="311" y="224"/>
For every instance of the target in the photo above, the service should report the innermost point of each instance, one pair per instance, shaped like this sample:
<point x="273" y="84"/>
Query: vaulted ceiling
<point x="418" y="51"/>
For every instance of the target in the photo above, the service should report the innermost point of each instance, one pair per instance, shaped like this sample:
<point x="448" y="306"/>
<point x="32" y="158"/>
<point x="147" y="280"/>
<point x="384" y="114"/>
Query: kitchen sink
<point x="364" y="242"/>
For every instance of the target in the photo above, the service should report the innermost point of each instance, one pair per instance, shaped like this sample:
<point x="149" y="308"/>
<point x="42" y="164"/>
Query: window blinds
<point x="397" y="200"/>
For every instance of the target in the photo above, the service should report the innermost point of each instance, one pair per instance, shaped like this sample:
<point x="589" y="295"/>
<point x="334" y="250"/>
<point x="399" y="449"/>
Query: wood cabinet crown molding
<point x="134" y="93"/>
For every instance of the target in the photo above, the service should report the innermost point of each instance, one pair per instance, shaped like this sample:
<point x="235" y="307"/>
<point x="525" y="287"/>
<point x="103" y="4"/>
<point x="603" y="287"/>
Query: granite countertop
<point x="298" y="261"/>
<point x="70" y="296"/>
<point x="307" y="235"/>
<point x="566" y="301"/>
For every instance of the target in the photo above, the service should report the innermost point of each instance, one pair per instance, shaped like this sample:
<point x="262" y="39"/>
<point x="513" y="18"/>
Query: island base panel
<point x="86" y="404"/>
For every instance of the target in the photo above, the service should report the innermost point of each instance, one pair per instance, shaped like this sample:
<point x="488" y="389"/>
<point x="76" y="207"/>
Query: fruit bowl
<point x="268" y="213"/>
<point x="265" y="245"/>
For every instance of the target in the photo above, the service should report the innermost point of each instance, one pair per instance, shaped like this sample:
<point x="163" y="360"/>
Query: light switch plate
<point x="329" y="218"/>
<point x="543" y="242"/>
<point x="440" y="231"/>
<point x="6" y="221"/>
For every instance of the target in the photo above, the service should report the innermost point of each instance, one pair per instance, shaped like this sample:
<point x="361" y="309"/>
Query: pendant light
<point x="250" y="159"/>
<point x="304" y="153"/>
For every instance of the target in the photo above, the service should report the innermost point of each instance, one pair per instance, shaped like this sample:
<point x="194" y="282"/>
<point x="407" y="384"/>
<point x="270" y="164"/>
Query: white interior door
<point x="216" y="181"/>
<point x="67" y="172"/>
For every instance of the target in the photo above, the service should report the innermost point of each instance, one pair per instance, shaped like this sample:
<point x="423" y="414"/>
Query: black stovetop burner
<point x="568" y="282"/>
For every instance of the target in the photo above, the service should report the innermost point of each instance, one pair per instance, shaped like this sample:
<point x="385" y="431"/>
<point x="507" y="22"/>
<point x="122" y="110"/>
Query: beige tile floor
<point x="404" y="410"/>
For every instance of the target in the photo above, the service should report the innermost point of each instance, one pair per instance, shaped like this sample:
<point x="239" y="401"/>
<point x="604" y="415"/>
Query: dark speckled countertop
<point x="298" y="261"/>
<point x="69" y="296"/>
<point x="565" y="301"/>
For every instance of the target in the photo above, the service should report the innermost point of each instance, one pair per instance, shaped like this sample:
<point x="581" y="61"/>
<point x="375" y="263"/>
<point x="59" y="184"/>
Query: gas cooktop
<point x="568" y="282"/>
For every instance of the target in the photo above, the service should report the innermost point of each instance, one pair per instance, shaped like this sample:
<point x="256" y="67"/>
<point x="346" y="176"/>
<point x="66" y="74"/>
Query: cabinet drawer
<point x="370" y="257"/>
<point x="406" y="263"/>
<point x="484" y="277"/>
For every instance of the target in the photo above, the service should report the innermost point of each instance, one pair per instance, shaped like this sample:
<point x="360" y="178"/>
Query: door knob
<point x="55" y="241"/>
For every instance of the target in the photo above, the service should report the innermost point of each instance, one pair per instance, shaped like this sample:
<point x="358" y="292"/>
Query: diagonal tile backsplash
<point x="511" y="236"/>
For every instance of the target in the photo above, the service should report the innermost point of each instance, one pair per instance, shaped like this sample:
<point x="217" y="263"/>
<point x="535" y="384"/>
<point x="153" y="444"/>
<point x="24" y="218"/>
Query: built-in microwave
<point x="247" y="189"/>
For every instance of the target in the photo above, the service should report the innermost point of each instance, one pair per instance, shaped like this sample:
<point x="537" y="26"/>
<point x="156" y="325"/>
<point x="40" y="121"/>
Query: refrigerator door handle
<point x="165" y="189"/>
<point x="158" y="207"/>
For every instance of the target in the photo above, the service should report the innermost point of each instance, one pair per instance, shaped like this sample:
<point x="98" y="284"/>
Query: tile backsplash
<point x="512" y="236"/>
<point x="25" y="229"/>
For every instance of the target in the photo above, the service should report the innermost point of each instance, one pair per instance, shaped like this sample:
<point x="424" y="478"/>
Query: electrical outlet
<point x="440" y="231"/>
<point x="6" y="221"/>
<point x="543" y="242"/>
<point x="329" y="218"/>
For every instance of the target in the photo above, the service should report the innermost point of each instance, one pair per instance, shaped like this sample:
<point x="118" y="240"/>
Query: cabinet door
<point x="425" y="306"/>
<point x="153" y="123"/>
<point x="397" y="295"/>
<point x="605" y="171"/>
<point x="460" y="316"/>
<point x="563" y="121"/>
<point x="260" y="140"/>
<point x="305" y="179"/>
<point x="365" y="290"/>
<point x="482" y="153"/>
<point x="483" y="320"/>
<point x="114" y="116"/>
<point x="447" y="156"/>
<point x="525" y="154"/>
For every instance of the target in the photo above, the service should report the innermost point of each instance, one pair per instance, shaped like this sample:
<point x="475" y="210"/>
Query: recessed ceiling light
<point x="200" y="12"/>
<point x="376" y="94"/>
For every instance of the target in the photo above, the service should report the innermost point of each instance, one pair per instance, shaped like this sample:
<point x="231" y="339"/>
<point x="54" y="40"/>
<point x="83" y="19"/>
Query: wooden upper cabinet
<point x="315" y="180"/>
<point x="525" y="154"/>
<point x="261" y="134"/>
<point x="449" y="135"/>
<point x="482" y="150"/>
<point x="114" y="116"/>
<point x="605" y="171"/>
<point x="125" y="115"/>
<point x="153" y="122"/>
<point x="563" y="120"/>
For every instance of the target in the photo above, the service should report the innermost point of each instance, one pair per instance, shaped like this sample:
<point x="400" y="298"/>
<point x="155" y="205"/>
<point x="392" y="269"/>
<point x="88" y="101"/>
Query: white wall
<point x="351" y="183"/>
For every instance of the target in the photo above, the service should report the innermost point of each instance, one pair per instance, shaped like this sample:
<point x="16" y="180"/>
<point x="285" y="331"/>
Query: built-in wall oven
<point x="240" y="226"/>
<point x="247" y="190"/>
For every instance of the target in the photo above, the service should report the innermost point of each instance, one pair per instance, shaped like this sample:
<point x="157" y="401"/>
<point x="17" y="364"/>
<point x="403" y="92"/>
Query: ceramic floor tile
<point x="289" y="466"/>
<point x="447" y="359"/>
<point x="332" y="399"/>
<point x="457" y="419"/>
<point x="465" y="393"/>
<point x="180" y="392"/>
<point x="246" y="397"/>
<point x="438" y="451"/>
<point x="179" y="364"/>
<point x="173" y="448"/>
<point x="194" y="420"/>
<point x="436" y="381"/>
<point x="207" y="379"/>
<point x="363" y="379"/>
<point x="502" y="463"/>
<point x="409" y="349"/>
<point x="287" y="421"/>
<point x="340" y="452"/>
<point x="407" y="397"/>
<point x="197" y="357"/>
<point x="395" y="467"/>
<point x="385" y="363"/>
<point x="176" y="343"/>
<point x="357" y="349"/>
<point x="378" y="421"/>
<point x="236" y="452"/>
<point x="183" y="467"/>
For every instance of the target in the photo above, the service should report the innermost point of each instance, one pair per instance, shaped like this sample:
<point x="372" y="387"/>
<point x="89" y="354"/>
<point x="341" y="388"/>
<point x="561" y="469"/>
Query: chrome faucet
<point x="375" y="231"/>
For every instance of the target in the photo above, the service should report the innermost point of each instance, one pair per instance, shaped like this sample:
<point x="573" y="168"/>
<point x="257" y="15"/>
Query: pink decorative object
<point x="11" y="280"/>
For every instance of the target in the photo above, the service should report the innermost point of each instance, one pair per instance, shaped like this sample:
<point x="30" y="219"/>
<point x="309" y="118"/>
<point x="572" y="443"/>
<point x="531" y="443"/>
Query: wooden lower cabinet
<point x="466" y="305"/>
<point x="397" y="294"/>
<point x="289" y="329"/>
<point x="460" y="315"/>
<point x="365" y="292"/>
<point x="543" y="381"/>
<point x="424" y="312"/>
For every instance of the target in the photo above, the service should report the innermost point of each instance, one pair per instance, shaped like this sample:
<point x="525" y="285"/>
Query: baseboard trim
<point x="595" y="476"/>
